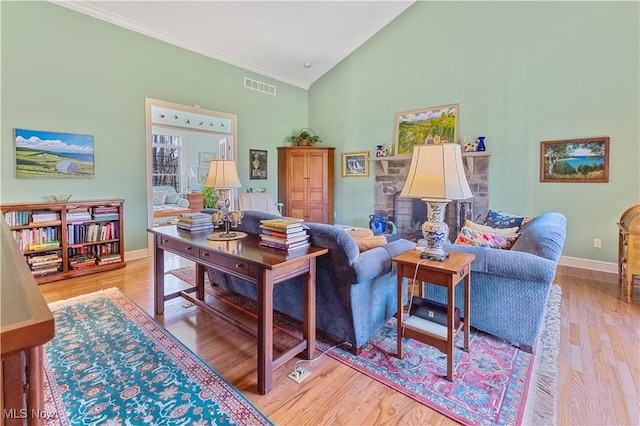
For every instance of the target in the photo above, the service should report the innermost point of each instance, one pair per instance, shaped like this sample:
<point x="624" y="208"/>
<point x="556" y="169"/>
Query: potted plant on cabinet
<point x="305" y="137"/>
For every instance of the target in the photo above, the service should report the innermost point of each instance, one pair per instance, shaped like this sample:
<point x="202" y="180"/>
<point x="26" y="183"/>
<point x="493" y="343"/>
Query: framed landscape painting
<point x="42" y="154"/>
<point x="575" y="160"/>
<point x="355" y="164"/>
<point x="434" y="125"/>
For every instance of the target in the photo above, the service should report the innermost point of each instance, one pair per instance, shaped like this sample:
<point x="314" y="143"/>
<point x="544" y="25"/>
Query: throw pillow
<point x="159" y="197"/>
<point x="172" y="197"/>
<point x="502" y="220"/>
<point x="472" y="237"/>
<point x="366" y="240"/>
<point x="485" y="228"/>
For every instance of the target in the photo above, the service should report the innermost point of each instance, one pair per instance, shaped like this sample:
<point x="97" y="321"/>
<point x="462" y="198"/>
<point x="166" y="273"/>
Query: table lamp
<point x="436" y="176"/>
<point x="223" y="176"/>
<point x="190" y="174"/>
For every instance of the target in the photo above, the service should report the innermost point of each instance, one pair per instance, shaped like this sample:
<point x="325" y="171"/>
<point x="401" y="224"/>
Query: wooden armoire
<point x="305" y="182"/>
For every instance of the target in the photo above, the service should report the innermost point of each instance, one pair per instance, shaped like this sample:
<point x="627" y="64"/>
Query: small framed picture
<point x="355" y="164"/>
<point x="575" y="160"/>
<point x="258" y="162"/>
<point x="204" y="158"/>
<point x="203" y="172"/>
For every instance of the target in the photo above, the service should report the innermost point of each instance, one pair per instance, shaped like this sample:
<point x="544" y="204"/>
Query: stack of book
<point x="194" y="222"/>
<point x="286" y="234"/>
<point x="45" y="263"/>
<point x="78" y="215"/>
<point x="40" y="216"/>
<point x="83" y="261"/>
<point x="107" y="258"/>
<point x="105" y="213"/>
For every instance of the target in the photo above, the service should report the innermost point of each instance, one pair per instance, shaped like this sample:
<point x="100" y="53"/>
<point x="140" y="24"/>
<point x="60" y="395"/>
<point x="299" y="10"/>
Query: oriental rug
<point x="110" y="363"/>
<point x="494" y="383"/>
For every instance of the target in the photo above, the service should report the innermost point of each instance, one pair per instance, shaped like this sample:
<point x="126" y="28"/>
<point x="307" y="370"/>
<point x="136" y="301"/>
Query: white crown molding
<point x="594" y="265"/>
<point x="120" y="21"/>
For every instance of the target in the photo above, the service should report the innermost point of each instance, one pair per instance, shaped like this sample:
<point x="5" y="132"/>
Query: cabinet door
<point x="297" y="179"/>
<point x="317" y="177"/>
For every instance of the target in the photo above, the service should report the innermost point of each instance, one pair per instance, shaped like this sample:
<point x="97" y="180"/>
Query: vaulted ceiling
<point x="273" y="38"/>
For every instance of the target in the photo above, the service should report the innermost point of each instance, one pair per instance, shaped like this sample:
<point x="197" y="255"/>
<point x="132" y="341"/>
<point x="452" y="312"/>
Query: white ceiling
<point x="272" y="38"/>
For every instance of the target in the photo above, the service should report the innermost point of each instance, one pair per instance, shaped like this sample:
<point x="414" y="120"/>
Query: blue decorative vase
<point x="377" y="223"/>
<point x="481" y="146"/>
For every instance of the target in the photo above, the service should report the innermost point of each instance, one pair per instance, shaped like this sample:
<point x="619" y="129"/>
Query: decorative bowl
<point x="61" y="198"/>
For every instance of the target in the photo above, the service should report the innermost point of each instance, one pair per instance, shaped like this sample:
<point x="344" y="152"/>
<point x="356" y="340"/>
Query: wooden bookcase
<point x="69" y="239"/>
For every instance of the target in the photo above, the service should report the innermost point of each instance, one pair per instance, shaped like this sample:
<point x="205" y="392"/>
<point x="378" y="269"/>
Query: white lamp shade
<point x="191" y="173"/>
<point x="436" y="171"/>
<point x="223" y="174"/>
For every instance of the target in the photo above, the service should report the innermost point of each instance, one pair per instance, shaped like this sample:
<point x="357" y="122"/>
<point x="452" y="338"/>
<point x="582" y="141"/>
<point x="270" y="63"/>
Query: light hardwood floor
<point x="599" y="361"/>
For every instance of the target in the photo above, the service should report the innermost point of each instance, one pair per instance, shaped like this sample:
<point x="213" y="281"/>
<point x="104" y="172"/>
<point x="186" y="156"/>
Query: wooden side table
<point x="447" y="274"/>
<point x="196" y="201"/>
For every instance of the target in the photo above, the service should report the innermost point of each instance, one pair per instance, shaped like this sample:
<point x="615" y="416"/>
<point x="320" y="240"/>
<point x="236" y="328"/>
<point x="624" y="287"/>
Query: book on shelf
<point x="281" y="224"/>
<point x="40" y="246"/>
<point x="42" y="272"/>
<point x="39" y="216"/>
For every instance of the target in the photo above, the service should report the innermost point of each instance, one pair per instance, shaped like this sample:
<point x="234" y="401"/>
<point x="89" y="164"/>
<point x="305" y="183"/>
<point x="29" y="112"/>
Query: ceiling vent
<point x="259" y="86"/>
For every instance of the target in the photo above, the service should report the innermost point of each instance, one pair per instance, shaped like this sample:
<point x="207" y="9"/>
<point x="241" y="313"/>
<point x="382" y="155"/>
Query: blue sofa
<point x="509" y="288"/>
<point x="356" y="292"/>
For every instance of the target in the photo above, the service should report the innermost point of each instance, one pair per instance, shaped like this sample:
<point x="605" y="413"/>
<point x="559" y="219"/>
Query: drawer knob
<point x="187" y="248"/>
<point x="205" y="254"/>
<point x="239" y="265"/>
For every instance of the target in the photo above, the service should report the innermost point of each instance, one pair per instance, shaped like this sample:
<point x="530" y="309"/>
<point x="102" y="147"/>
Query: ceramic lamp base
<point x="434" y="229"/>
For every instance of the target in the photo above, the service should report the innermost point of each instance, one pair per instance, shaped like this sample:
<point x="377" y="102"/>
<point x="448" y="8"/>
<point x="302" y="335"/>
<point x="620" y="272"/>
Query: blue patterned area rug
<point x="111" y="364"/>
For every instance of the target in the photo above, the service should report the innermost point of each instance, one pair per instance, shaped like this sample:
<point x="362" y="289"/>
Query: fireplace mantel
<point x="391" y="173"/>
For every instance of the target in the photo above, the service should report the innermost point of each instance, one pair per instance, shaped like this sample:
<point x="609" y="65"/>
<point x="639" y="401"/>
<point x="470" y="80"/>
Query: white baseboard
<point x="136" y="254"/>
<point x="594" y="265"/>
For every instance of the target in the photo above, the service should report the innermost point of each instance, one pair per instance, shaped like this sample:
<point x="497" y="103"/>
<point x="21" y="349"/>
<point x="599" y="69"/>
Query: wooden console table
<point x="26" y="325"/>
<point x="456" y="268"/>
<point x="245" y="259"/>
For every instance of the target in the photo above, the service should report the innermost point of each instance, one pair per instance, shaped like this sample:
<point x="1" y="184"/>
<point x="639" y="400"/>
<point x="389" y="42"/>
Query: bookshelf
<point x="68" y="239"/>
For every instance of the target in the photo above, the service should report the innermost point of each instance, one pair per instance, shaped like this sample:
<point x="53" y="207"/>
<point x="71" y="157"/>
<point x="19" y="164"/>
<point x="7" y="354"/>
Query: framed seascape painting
<point x="427" y="125"/>
<point x="575" y="160"/>
<point x="42" y="154"/>
<point x="355" y="164"/>
<point x="258" y="162"/>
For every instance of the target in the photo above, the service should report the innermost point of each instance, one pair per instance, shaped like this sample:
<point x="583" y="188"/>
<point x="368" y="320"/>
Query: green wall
<point x="522" y="73"/>
<point x="67" y="72"/>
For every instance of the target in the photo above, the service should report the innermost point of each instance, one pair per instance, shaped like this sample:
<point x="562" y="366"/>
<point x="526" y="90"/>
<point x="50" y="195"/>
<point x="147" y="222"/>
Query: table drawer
<point x="181" y="246"/>
<point x="234" y="266"/>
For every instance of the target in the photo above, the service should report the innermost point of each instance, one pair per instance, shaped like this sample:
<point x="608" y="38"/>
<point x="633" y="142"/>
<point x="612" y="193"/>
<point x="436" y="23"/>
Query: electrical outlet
<point x="597" y="243"/>
<point x="299" y="374"/>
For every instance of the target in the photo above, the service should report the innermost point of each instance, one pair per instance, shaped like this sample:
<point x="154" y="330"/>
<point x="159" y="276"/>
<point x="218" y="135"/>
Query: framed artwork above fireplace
<point x="426" y="125"/>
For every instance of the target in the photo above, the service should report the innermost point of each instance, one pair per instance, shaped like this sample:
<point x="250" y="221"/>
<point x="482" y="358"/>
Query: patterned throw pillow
<point x="485" y="228"/>
<point x="159" y="197"/>
<point x="472" y="237"/>
<point x="503" y="220"/>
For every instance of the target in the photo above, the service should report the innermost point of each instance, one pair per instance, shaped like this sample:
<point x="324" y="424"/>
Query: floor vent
<point x="259" y="86"/>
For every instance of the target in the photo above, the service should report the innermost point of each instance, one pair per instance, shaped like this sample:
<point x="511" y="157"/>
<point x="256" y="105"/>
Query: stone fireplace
<point x="408" y="214"/>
